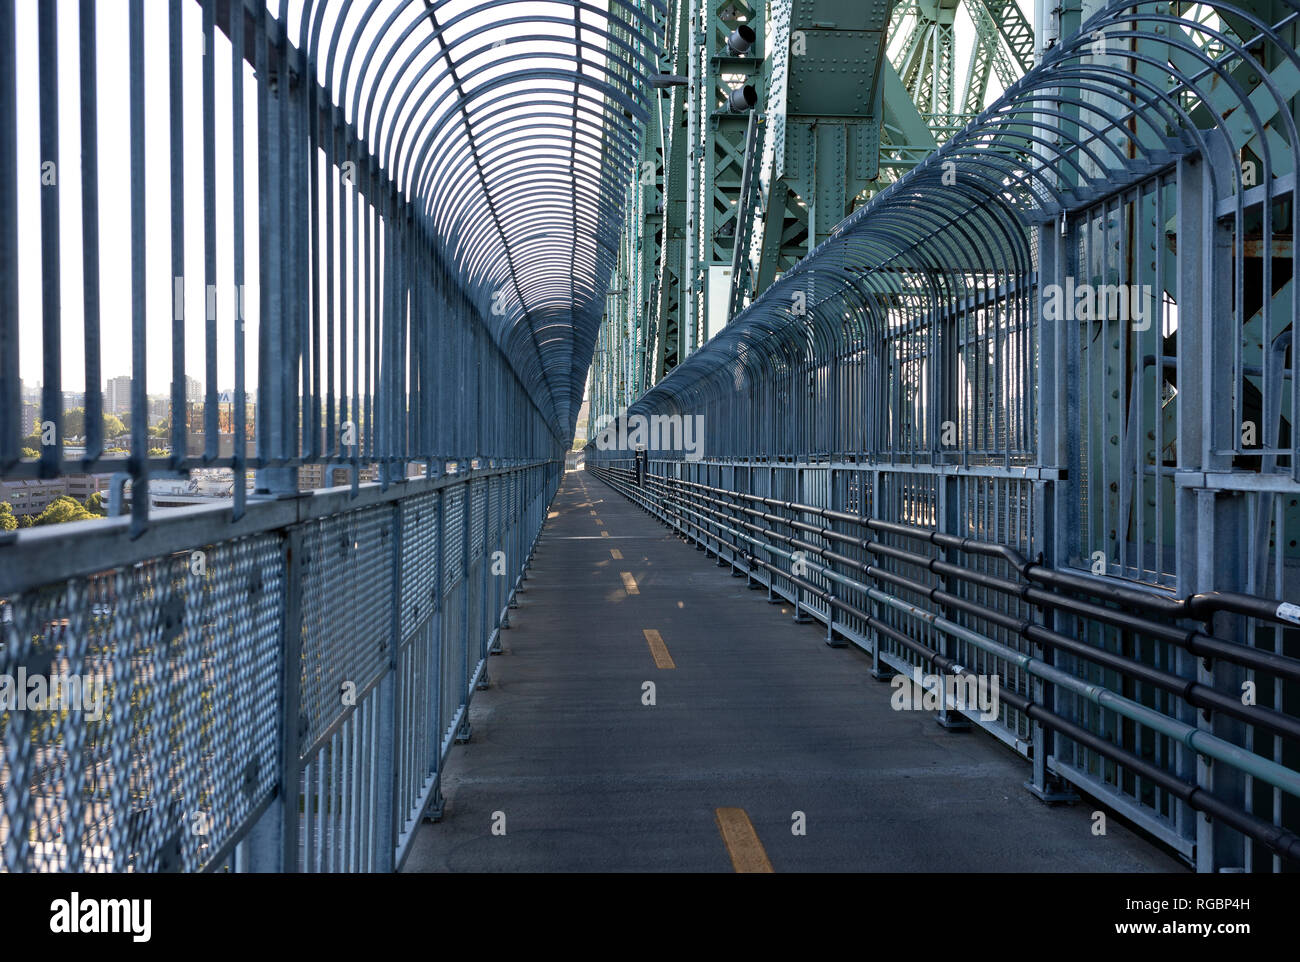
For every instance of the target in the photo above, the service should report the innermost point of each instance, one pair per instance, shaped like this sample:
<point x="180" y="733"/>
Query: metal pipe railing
<point x="1147" y="603"/>
<point x="708" y="513"/>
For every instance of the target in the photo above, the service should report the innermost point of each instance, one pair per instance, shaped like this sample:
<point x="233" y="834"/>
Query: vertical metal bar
<point x="139" y="462"/>
<point x="368" y="276"/>
<point x="90" y="231"/>
<point x="274" y="840"/>
<point x="356" y="789"/>
<point x="11" y="400"/>
<point x="388" y="819"/>
<point x="267" y="254"/>
<point x="300" y="160"/>
<point x="51" y="275"/>
<point x="330" y="448"/>
<point x="346" y="809"/>
<point x="277" y="353"/>
<point x="311" y="420"/>
<point x="176" y="107"/>
<point x="239" y="454"/>
<point x="353" y="413"/>
<point x="211" y="429"/>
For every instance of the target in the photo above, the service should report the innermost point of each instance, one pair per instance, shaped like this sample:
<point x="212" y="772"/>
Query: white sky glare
<point x="115" y="196"/>
<point x="111" y="31"/>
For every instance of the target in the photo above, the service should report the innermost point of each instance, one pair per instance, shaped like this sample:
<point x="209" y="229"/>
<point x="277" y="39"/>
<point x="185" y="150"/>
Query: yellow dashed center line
<point x="658" y="648"/>
<point x="616" y="554"/>
<point x="592" y="512"/>
<point x="629" y="582"/>
<point x="604" y="534"/>
<point x="746" y="851"/>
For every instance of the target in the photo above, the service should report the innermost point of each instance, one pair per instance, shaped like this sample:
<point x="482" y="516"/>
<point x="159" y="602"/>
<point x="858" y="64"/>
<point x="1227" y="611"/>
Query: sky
<point x="114" y="187"/>
<point x="114" y="178"/>
<point x="115" y="195"/>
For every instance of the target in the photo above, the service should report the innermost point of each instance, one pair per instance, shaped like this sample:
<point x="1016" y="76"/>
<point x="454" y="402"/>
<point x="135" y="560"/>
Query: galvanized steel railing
<point x="406" y="212"/>
<point x="1069" y="331"/>
<point x="1092" y="676"/>
<point x="276" y="694"/>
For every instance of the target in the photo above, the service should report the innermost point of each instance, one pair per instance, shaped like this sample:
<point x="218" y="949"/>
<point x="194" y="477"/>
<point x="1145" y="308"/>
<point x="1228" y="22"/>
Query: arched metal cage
<point x="1067" y="335"/>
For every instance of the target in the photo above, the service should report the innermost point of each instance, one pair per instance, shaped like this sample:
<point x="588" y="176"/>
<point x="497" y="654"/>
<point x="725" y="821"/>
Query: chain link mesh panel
<point x="347" y="612"/>
<point x="158" y="737"/>
<point x="453" y="531"/>
<point x="419" y="561"/>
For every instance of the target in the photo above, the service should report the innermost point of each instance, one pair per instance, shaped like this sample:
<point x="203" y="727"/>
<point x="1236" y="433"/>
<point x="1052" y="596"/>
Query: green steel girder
<point x="814" y="148"/>
<point x="670" y="272"/>
<point x="1015" y="30"/>
<point x="989" y="58"/>
<point x="906" y="139"/>
<point x="932" y="75"/>
<point x="638" y="336"/>
<point x="1003" y="47"/>
<point x="823" y="129"/>
<point x="719" y="142"/>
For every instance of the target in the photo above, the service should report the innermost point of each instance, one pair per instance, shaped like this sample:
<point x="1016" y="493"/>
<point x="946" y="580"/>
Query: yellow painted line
<point x="552" y="514"/>
<point x="658" y="648"/>
<point x="746" y="851"/>
<point x="604" y="534"/>
<point x="616" y="554"/>
<point x="592" y="512"/>
<point x="629" y="582"/>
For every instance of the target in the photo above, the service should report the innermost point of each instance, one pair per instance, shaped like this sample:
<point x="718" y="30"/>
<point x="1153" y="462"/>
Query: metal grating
<point x="168" y="744"/>
<point x="478" y="520"/>
<point x="419" y="561"/>
<point x="347" y="612"/>
<point x="453" y="534"/>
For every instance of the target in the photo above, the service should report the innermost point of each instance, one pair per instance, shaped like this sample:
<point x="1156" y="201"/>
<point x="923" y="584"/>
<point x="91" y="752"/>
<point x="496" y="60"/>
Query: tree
<point x="61" y="510"/>
<point x="96" y="506"/>
<point x="30" y="453"/>
<point x="113" y="426"/>
<point x="7" y="520"/>
<point x="74" y="424"/>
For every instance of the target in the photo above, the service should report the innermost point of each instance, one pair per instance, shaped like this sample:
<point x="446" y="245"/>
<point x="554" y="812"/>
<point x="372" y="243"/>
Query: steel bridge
<point x="984" y="376"/>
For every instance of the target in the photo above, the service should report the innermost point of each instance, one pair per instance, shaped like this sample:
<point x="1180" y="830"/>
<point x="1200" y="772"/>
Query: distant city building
<point x="117" y="399"/>
<point x="82" y="486"/>
<point x="160" y="408"/>
<point x="30" y="410"/>
<point x="195" y="436"/>
<point x="204" y="486"/>
<point x="34" y="496"/>
<point x="193" y="390"/>
<point x="312" y="476"/>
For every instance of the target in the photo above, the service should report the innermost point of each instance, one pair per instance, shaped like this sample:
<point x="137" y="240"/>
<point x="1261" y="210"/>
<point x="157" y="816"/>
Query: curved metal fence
<point x="1068" y="332"/>
<point x="387" y="225"/>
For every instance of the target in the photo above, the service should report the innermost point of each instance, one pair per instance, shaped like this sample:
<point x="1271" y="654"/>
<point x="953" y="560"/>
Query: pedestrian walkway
<point x="650" y="713"/>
